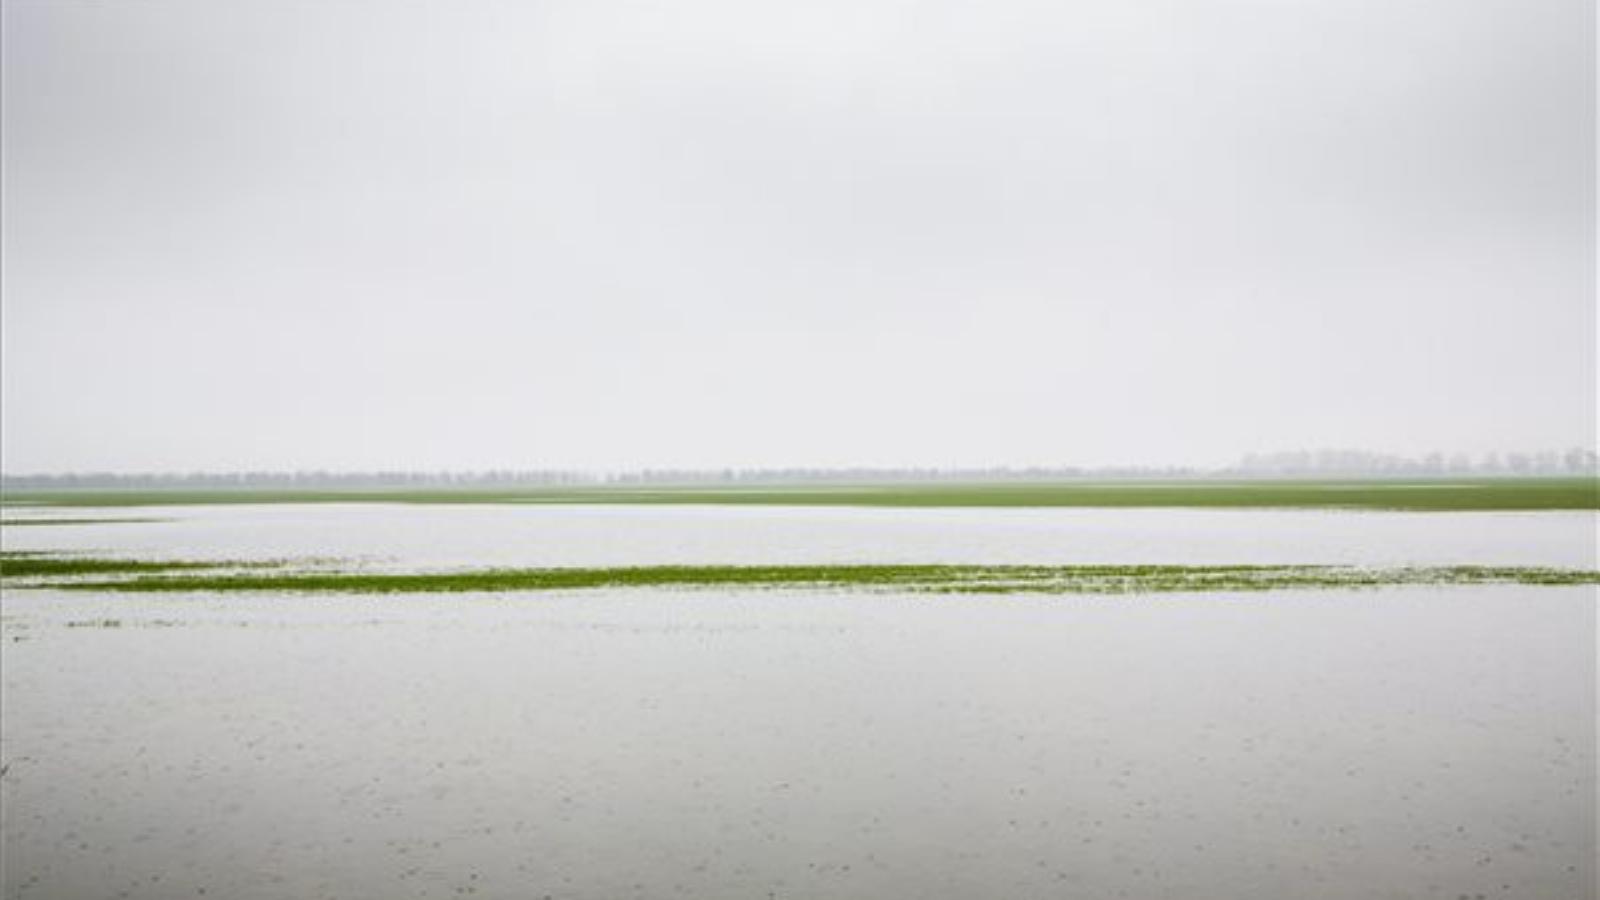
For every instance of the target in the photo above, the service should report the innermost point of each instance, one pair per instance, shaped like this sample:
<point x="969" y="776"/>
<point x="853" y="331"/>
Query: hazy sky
<point x="735" y="232"/>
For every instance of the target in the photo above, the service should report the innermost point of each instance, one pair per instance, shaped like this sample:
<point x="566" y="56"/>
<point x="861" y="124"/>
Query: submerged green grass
<point x="195" y="576"/>
<point x="1420" y="494"/>
<point x="18" y="564"/>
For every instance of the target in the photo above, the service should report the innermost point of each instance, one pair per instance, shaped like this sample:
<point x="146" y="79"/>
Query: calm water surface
<point x="441" y="536"/>
<point x="1393" y="743"/>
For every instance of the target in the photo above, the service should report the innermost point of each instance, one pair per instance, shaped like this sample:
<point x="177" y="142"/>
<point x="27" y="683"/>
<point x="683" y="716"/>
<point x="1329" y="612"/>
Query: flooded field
<point x="1393" y="742"/>
<point x="405" y="535"/>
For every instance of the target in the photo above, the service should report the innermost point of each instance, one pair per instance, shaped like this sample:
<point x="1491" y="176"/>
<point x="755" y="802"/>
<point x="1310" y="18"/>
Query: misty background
<point x="589" y="234"/>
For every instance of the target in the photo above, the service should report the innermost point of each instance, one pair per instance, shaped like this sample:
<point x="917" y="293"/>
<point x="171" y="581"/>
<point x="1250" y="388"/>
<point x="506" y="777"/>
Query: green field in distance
<point x="1441" y="494"/>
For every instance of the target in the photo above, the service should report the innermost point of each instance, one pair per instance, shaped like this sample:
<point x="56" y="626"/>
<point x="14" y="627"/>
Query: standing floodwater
<point x="1403" y="742"/>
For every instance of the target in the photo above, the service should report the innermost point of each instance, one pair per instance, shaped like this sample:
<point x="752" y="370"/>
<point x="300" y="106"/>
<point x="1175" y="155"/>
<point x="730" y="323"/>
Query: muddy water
<point x="1396" y="743"/>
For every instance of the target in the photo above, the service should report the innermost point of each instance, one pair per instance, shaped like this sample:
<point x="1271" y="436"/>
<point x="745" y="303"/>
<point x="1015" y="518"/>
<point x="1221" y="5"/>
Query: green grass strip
<point x="20" y="564"/>
<point x="217" y="577"/>
<point x="1416" y="494"/>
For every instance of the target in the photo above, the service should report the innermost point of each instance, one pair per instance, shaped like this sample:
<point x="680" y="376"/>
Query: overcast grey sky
<point x="251" y="234"/>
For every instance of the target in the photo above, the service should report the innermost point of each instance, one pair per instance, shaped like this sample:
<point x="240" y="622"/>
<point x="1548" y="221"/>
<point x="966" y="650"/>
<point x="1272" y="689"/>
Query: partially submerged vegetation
<point x="32" y="565"/>
<point x="80" y="573"/>
<point x="1421" y="494"/>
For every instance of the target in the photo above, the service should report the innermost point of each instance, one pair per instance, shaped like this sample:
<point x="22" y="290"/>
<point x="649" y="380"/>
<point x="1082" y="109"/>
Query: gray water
<point x="1392" y="743"/>
<point x="415" y="536"/>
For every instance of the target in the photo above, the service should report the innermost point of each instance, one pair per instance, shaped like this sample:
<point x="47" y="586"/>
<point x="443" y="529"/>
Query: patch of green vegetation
<point x="1463" y="494"/>
<point x="167" y="576"/>
<point x="24" y="564"/>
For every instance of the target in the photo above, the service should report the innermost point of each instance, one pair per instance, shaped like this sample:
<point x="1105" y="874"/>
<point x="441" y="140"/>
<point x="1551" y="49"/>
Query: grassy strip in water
<point x="22" y="564"/>
<point x="1422" y="494"/>
<point x="180" y="576"/>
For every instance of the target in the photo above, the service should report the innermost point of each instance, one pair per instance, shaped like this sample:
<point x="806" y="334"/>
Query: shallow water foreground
<point x="1403" y="742"/>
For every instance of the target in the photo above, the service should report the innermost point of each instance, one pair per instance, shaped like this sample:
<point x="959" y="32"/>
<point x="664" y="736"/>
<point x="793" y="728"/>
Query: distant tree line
<point x="1330" y="463"/>
<point x="298" y="479"/>
<point x="559" y="478"/>
<point x="876" y="475"/>
<point x="1576" y="461"/>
